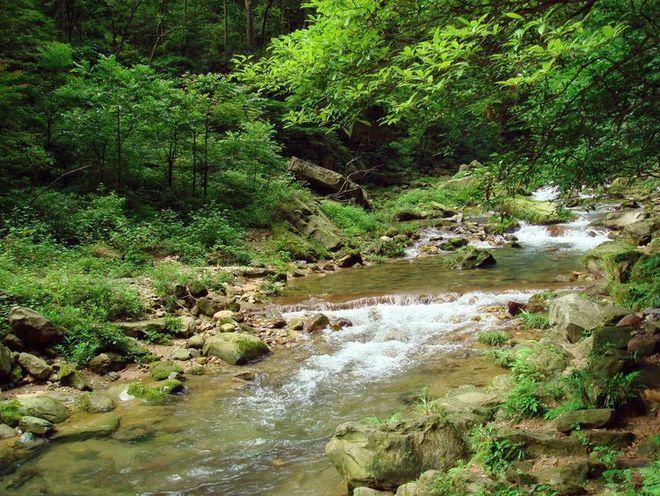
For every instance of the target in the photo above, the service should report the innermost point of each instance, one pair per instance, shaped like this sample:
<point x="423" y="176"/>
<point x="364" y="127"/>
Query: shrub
<point x="523" y="400"/>
<point x="494" y="454"/>
<point x="535" y="320"/>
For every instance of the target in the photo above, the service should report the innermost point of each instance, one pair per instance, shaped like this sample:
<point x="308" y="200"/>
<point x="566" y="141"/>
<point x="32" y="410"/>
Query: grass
<point x="493" y="338"/>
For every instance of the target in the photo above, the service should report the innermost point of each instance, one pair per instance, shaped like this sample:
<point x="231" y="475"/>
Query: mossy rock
<point x="235" y="348"/>
<point x="91" y="427"/>
<point x="537" y="212"/>
<point x="157" y="394"/>
<point x="584" y="419"/>
<point x="69" y="376"/>
<point x="10" y="412"/>
<point x="613" y="259"/>
<point x="470" y="257"/>
<point x="35" y="425"/>
<point x="44" y="407"/>
<point x="162" y="369"/>
<point x="96" y="403"/>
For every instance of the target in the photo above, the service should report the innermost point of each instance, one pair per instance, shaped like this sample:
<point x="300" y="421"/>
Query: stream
<point x="414" y="329"/>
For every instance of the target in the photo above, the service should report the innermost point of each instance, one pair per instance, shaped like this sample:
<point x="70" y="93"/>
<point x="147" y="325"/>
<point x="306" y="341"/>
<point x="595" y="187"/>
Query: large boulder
<point x="538" y="212"/>
<point x="87" y="427"/>
<point x="328" y="181"/>
<point x="574" y="314"/>
<point x="35" y="366"/>
<point x="613" y="259"/>
<point x="43" y="407"/>
<point x="236" y="348"/>
<point x="623" y="218"/>
<point x="470" y="257"/>
<point x="385" y="456"/>
<point x="32" y="328"/>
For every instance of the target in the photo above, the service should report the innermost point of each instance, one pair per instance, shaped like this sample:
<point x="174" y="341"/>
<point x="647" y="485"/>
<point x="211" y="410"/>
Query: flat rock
<point x="87" y="427"/>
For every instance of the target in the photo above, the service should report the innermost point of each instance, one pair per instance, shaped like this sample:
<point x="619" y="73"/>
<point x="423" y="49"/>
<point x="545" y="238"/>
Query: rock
<point x="470" y="257"/>
<point x="144" y="328"/>
<point x="180" y="354"/>
<point x="442" y="209"/>
<point x="5" y="361"/>
<point x="195" y="369"/>
<point x="384" y="457"/>
<point x="35" y="425"/>
<point x="613" y="258"/>
<point x="12" y="342"/>
<point x="171" y="386"/>
<point x="35" y="366"/>
<point x="319" y="228"/>
<point x="32" y="328"/>
<point x="317" y="323"/>
<point x="640" y="232"/>
<point x="43" y="407"/>
<point x="296" y="324"/>
<point x="475" y="164"/>
<point x="224" y="316"/>
<point x="623" y="218"/>
<point x="556" y="231"/>
<point x="188" y="326"/>
<point x="409" y="489"/>
<point x="632" y="319"/>
<point x="453" y="244"/>
<point x="134" y="433"/>
<point x="204" y="307"/>
<point x="538" y="212"/>
<point x="539" y="443"/>
<point x="69" y="376"/>
<point x="339" y="323"/>
<point x="644" y="345"/>
<point x="235" y="348"/>
<point x="514" y="307"/>
<point x="610" y="337"/>
<point x="228" y="327"/>
<point x="470" y="401"/>
<point x="328" y="181"/>
<point x="96" y="403"/>
<point x="92" y="427"/>
<point x="350" y="260"/>
<point x="584" y="419"/>
<point x="196" y="342"/>
<point x="603" y="437"/>
<point x="407" y="215"/>
<point x="100" y="363"/>
<point x="367" y="491"/>
<point x="567" y="479"/>
<point x="7" y="432"/>
<point x="163" y="369"/>
<point x="574" y="314"/>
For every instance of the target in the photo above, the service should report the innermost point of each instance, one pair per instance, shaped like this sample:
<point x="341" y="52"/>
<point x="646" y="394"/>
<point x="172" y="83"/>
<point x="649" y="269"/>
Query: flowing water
<point x="414" y="328"/>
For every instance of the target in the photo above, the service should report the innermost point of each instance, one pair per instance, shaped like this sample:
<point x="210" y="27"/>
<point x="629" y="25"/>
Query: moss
<point x="161" y="370"/>
<point x="10" y="412"/>
<point x="537" y="212"/>
<point x="147" y="393"/>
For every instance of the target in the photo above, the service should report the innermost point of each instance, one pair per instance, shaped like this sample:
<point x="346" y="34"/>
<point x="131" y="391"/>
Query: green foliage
<point x="493" y="453"/>
<point x="523" y="400"/>
<point x="493" y="338"/>
<point x="642" y="289"/>
<point x="351" y="219"/>
<point x="393" y="419"/>
<point x="626" y="482"/>
<point x="533" y="320"/>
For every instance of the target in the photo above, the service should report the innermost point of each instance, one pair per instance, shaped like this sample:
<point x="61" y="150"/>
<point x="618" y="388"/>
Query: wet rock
<point x="235" y="348"/>
<point x="623" y="218"/>
<point x="317" y="323"/>
<point x="35" y="425"/>
<point x="29" y="441"/>
<point x="539" y="212"/>
<point x="32" y="328"/>
<point x="196" y="342"/>
<point x="171" y="386"/>
<point x="470" y="257"/>
<point x="584" y="419"/>
<point x="134" y="433"/>
<point x="339" y="323"/>
<point x="515" y="307"/>
<point x="453" y="244"/>
<point x="35" y="366"/>
<point x="574" y="314"/>
<point x="556" y="231"/>
<point x="386" y="456"/>
<point x="7" y="432"/>
<point x="44" y="407"/>
<point x="163" y="369"/>
<point x="180" y="354"/>
<point x="349" y="260"/>
<point x="69" y="376"/>
<point x="93" y="427"/>
<point x="296" y="324"/>
<point x="96" y="403"/>
<point x="5" y="361"/>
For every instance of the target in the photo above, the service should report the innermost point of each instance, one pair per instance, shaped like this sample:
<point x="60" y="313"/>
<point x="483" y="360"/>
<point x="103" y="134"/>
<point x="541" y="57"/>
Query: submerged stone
<point x="93" y="427"/>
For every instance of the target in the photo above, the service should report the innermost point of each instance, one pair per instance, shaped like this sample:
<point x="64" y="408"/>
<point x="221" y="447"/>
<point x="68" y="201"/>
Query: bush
<point x="495" y="455"/>
<point x="523" y="400"/>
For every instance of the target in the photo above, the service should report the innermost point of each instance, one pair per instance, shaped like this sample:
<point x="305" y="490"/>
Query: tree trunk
<point x="118" y="145"/>
<point x="225" y="39"/>
<point x="264" y="21"/>
<point x="249" y="24"/>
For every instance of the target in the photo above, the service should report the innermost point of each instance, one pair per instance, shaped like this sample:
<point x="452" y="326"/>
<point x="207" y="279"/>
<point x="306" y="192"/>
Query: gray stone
<point x="32" y="328"/>
<point x="7" y="432"/>
<point x="97" y="403"/>
<point x="385" y="456"/>
<point x="180" y="354"/>
<point x="236" y="348"/>
<point x="163" y="369"/>
<point x="35" y="366"/>
<point x="69" y="376"/>
<point x="574" y="314"/>
<point x="584" y="419"/>
<point x="196" y="342"/>
<point x="470" y="257"/>
<point x="317" y="323"/>
<point x="35" y="425"/>
<point x="367" y="491"/>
